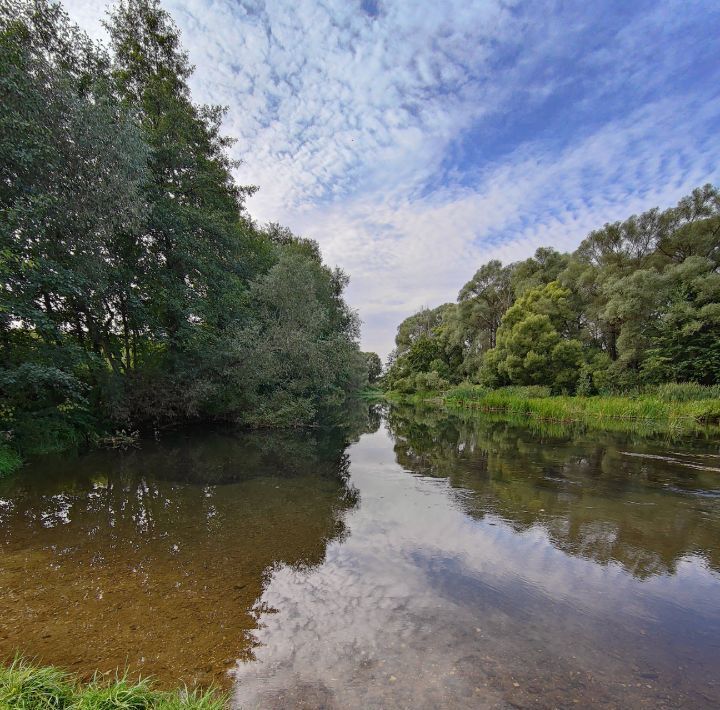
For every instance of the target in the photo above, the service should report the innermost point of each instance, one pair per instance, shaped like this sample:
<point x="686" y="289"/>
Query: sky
<point x="416" y="140"/>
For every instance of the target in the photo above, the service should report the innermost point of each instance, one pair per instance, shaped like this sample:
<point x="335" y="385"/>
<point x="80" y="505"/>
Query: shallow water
<point x="435" y="562"/>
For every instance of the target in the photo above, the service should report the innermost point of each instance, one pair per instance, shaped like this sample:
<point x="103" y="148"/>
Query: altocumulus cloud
<point x="417" y="140"/>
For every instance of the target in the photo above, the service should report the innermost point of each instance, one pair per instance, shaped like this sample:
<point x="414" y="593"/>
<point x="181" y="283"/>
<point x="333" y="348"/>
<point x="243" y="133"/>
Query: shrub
<point x="430" y="382"/>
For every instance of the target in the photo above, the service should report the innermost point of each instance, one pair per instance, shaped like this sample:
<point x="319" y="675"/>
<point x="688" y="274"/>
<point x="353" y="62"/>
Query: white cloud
<point x="404" y="253"/>
<point x="344" y="119"/>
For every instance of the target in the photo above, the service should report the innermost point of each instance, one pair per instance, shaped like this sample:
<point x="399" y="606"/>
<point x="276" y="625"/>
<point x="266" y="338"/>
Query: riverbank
<point x="27" y="686"/>
<point x="675" y="407"/>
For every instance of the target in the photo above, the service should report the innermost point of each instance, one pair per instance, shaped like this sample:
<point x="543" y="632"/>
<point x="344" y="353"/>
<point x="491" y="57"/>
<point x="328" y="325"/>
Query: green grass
<point x="414" y="398"/>
<point x="25" y="686"/>
<point x="371" y="394"/>
<point x="10" y="460"/>
<point x="671" y="406"/>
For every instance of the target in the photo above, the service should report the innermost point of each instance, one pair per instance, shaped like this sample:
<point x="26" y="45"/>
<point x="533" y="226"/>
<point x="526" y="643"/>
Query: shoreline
<point x="627" y="412"/>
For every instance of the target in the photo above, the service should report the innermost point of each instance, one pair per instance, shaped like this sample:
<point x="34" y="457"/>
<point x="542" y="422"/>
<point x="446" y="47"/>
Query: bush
<point x="421" y="382"/>
<point x="430" y="382"/>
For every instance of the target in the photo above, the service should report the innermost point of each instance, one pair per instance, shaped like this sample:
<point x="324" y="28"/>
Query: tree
<point x="482" y="302"/>
<point x="195" y="227"/>
<point x="532" y="344"/>
<point x="69" y="150"/>
<point x="136" y="289"/>
<point x="299" y="352"/>
<point x="538" y="270"/>
<point x="419" y="325"/>
<point x="426" y="343"/>
<point x="638" y="302"/>
<point x="605" y="264"/>
<point x="374" y="366"/>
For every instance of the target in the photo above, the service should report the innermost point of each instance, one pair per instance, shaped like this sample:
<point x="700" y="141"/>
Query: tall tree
<point x="482" y="302"/>
<point x="195" y="229"/>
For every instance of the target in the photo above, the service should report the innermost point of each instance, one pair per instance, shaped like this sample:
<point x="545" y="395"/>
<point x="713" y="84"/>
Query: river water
<point x="422" y="560"/>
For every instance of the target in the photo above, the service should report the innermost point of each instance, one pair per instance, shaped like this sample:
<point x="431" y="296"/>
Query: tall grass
<point x="25" y="686"/>
<point x="9" y="460"/>
<point x="672" y="405"/>
<point x="684" y="392"/>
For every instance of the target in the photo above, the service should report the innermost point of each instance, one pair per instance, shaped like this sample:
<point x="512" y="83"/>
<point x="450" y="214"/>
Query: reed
<point x="671" y="406"/>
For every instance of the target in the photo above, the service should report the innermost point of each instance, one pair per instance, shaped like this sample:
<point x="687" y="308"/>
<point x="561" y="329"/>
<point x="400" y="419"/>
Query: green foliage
<point x="137" y="290"/>
<point x="24" y="686"/>
<point x="373" y="363"/>
<point x="674" y="408"/>
<point x="421" y="382"/>
<point x="298" y="348"/>
<point x="638" y="303"/>
<point x="122" y="693"/>
<point x="27" y="687"/>
<point x="547" y="265"/>
<point x="481" y="304"/>
<point x="684" y="392"/>
<point x="420" y="325"/>
<point x="426" y="343"/>
<point x="10" y="460"/>
<point x="530" y="346"/>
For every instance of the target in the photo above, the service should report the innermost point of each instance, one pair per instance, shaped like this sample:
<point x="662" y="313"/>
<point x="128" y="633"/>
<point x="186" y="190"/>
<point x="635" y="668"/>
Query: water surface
<point x="435" y="562"/>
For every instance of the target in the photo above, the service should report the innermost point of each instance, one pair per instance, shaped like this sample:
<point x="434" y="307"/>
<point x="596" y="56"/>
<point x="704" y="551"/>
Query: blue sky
<point x="416" y="140"/>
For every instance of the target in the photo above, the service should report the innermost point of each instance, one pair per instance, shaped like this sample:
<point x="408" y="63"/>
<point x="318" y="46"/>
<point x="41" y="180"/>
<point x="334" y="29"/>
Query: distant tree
<point x="374" y="366"/>
<point x="482" y="302"/>
<point x="419" y="325"/>
<point x="621" y="273"/>
<point x="539" y="270"/>
<point x="638" y="302"/>
<point x="426" y="343"/>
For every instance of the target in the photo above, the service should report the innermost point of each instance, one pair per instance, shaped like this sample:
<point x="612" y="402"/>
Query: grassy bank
<point x="371" y="394"/>
<point x="666" y="407"/>
<point x="674" y="407"/>
<point x="24" y="686"/>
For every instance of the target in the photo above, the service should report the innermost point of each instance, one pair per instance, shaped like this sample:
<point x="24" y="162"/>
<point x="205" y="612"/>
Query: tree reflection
<point x="644" y="503"/>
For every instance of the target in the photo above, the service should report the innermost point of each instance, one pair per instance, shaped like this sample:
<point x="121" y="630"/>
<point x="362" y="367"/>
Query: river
<point x="420" y="560"/>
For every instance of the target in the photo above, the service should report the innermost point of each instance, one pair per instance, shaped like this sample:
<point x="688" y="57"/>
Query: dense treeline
<point x="637" y="304"/>
<point x="137" y="291"/>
